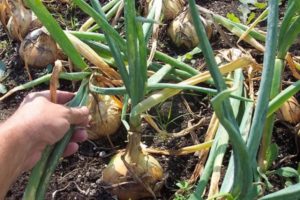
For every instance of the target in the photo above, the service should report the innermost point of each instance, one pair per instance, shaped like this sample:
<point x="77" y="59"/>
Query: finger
<point x="79" y="135"/>
<point x="78" y="116"/>
<point x="70" y="149"/>
<point x="62" y="96"/>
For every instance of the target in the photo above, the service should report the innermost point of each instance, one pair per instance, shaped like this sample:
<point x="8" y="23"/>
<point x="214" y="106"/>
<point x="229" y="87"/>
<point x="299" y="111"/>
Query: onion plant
<point x="289" y="29"/>
<point x="133" y="173"/>
<point x="133" y="163"/>
<point x="269" y="83"/>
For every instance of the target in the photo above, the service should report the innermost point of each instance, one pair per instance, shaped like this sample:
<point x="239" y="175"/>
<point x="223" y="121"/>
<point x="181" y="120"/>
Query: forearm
<point x="12" y="155"/>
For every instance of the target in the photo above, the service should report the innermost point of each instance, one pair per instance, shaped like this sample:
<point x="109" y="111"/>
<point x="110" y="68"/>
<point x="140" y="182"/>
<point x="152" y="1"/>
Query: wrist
<point x="11" y="156"/>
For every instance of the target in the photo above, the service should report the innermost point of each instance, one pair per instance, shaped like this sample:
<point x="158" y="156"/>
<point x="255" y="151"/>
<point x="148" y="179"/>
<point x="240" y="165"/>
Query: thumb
<point x="79" y="116"/>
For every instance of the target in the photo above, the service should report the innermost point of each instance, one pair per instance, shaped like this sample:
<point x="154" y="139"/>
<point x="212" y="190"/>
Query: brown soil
<point x="78" y="176"/>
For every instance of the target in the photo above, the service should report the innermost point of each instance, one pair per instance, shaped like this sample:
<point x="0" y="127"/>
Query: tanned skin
<point x="36" y="124"/>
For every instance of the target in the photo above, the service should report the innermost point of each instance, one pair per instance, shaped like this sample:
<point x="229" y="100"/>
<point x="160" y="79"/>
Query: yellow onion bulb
<point x="170" y="8"/>
<point x="4" y="12"/>
<point x="38" y="49"/>
<point x="182" y="31"/>
<point x="290" y="111"/>
<point x="106" y="116"/>
<point x="116" y="174"/>
<point x="19" y="22"/>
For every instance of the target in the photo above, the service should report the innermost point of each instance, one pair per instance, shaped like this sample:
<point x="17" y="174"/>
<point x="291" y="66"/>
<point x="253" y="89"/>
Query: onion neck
<point x="133" y="149"/>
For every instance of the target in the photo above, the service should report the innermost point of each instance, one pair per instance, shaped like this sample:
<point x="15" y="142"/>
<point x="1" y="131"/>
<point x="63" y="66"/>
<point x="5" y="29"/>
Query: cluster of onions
<point x="182" y="31"/>
<point x="37" y="48"/>
<point x="290" y="111"/>
<point x="106" y="116"/>
<point x="17" y="19"/>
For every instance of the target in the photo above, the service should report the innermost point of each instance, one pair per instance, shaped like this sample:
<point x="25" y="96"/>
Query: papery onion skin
<point x="106" y="118"/>
<point x="182" y="31"/>
<point x="290" y="111"/>
<point x="38" y="49"/>
<point x="19" y="22"/>
<point x="125" y="187"/>
<point x="170" y="8"/>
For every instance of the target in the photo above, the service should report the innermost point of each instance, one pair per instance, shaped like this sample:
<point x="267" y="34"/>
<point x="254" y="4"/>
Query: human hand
<point x="44" y="123"/>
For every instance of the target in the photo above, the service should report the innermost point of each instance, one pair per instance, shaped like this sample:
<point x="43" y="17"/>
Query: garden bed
<point x="78" y="176"/>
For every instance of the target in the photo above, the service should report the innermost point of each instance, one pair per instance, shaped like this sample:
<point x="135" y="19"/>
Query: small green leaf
<point x="251" y="17"/>
<point x="245" y="10"/>
<point x="233" y="18"/>
<point x="260" y="5"/>
<point x="287" y="172"/>
<point x="248" y="1"/>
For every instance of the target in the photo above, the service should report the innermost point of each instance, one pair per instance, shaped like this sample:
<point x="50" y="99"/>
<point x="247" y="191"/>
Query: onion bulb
<point x="106" y="116"/>
<point x="38" y="49"/>
<point x="4" y="12"/>
<point x="290" y="111"/>
<point x="121" y="176"/>
<point x="19" y="22"/>
<point x="170" y="8"/>
<point x="183" y="33"/>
